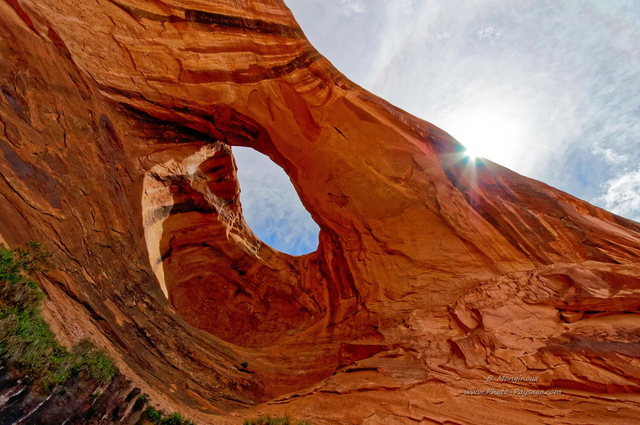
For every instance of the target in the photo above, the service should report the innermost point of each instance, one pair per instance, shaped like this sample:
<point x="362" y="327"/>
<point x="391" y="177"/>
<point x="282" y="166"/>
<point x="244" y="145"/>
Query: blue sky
<point x="550" y="89"/>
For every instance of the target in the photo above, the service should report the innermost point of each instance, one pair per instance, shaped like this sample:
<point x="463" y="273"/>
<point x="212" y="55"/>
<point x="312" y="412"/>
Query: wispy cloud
<point x="610" y="155"/>
<point x="350" y="7"/>
<point x="623" y="195"/>
<point x="489" y="32"/>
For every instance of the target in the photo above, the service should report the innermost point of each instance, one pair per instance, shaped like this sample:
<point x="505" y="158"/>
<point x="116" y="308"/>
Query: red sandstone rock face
<point x="432" y="273"/>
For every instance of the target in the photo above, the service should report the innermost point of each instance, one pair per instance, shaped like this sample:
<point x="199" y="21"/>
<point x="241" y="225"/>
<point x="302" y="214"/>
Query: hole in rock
<point x="271" y="206"/>
<point x="209" y="264"/>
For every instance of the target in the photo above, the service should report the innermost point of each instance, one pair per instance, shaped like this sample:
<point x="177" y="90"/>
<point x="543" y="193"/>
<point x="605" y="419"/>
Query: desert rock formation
<point x="436" y="277"/>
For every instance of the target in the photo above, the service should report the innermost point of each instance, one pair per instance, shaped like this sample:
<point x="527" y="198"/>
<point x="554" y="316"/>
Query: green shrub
<point x="152" y="415"/>
<point x="156" y="417"/>
<point x="268" y="420"/>
<point x="27" y="344"/>
<point x="16" y="267"/>
<point x="95" y="361"/>
<point x="140" y="402"/>
<point x="175" y="419"/>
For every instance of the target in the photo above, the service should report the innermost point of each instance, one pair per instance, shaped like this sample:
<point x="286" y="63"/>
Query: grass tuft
<point x="27" y="344"/>
<point x="95" y="361"/>
<point x="158" y="418"/>
<point x="268" y="420"/>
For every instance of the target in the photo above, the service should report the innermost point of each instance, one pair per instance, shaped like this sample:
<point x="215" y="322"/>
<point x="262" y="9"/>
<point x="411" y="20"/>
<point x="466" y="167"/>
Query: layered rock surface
<point x="432" y="274"/>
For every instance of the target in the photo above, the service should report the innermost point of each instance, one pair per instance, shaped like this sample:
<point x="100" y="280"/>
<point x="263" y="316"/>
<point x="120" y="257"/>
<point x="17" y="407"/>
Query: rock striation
<point x="443" y="289"/>
<point x="78" y="401"/>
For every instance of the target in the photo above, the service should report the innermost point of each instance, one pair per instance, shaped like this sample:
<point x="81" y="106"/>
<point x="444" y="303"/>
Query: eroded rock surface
<point x="79" y="401"/>
<point x="433" y="272"/>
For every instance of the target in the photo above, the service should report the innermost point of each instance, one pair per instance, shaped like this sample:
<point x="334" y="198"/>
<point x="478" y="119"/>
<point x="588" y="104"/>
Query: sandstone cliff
<point x="434" y="276"/>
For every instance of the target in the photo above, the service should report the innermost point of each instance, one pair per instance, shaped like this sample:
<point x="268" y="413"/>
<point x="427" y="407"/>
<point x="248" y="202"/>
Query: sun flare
<point x="487" y="132"/>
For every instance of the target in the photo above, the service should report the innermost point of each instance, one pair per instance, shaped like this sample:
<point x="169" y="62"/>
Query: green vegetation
<point x="27" y="344"/>
<point x="156" y="417"/>
<point x="95" y="361"/>
<point x="140" y="402"/>
<point x="268" y="420"/>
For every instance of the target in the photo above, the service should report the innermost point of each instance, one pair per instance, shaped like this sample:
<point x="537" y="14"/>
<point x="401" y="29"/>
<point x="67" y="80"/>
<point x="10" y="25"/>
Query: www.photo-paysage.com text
<point x="517" y="391"/>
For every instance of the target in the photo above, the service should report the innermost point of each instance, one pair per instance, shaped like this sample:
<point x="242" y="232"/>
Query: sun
<point x="489" y="131"/>
<point x="471" y="153"/>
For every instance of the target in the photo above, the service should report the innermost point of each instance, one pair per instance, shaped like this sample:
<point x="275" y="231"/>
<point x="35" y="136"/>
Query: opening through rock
<point x="211" y="267"/>
<point x="271" y="206"/>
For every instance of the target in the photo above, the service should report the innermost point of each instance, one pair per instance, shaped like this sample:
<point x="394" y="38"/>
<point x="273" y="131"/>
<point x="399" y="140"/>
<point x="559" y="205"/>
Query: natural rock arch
<point x="429" y="268"/>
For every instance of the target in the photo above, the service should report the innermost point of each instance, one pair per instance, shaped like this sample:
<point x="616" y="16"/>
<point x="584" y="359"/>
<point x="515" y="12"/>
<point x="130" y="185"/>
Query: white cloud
<point x="610" y="155"/>
<point x="352" y="7"/>
<point x="489" y="32"/>
<point x="623" y="195"/>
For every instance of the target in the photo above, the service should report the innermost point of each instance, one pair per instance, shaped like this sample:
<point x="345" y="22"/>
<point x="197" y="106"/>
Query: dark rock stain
<point x="18" y="104"/>
<point x="36" y="178"/>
